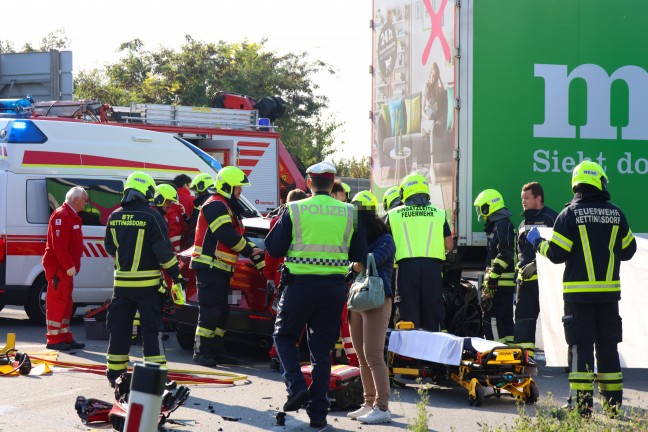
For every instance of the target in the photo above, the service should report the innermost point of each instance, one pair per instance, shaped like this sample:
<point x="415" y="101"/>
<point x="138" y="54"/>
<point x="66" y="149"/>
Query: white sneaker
<point x="375" y="416"/>
<point x="365" y="409"/>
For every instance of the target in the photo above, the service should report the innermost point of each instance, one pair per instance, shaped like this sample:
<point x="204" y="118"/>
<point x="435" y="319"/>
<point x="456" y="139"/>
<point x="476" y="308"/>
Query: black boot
<point x="204" y="352"/>
<point x="220" y="353"/>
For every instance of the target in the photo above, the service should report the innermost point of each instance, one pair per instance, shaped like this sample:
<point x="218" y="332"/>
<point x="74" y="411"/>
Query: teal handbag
<point x="367" y="291"/>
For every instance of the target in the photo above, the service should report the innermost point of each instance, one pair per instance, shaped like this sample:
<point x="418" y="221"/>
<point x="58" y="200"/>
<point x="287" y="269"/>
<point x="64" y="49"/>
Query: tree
<point x="7" y="47"/>
<point x="355" y="168"/>
<point x="56" y="40"/>
<point x="198" y="70"/>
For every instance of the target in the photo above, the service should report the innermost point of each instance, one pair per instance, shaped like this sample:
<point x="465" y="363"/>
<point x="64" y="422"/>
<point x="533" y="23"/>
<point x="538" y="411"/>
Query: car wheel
<point x="185" y="339"/>
<point x="1" y="307"/>
<point x="35" y="307"/>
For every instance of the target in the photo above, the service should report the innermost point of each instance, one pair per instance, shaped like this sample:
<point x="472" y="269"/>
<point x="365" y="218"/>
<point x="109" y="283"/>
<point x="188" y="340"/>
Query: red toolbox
<point x="345" y="386"/>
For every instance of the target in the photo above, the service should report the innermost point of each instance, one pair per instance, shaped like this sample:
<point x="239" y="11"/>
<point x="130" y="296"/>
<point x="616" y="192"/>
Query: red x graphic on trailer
<point x="436" y="20"/>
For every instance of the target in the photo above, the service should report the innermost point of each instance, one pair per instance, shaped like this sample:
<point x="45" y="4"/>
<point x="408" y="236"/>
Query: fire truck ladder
<point x="190" y="116"/>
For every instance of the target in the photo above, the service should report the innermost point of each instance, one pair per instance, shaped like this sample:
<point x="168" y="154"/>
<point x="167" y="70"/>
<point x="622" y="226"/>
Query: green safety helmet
<point x="413" y="184"/>
<point x="488" y="202"/>
<point x="142" y="182"/>
<point x="390" y="196"/>
<point x="228" y="178"/>
<point x="591" y="173"/>
<point x="347" y="189"/>
<point x="165" y="192"/>
<point x="366" y="199"/>
<point x="202" y="182"/>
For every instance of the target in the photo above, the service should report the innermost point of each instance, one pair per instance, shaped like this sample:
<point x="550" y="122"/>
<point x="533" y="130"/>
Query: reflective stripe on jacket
<point x="591" y="237"/>
<point x="210" y="251"/>
<point x="321" y="235"/>
<point x="418" y="231"/>
<point x="136" y="235"/>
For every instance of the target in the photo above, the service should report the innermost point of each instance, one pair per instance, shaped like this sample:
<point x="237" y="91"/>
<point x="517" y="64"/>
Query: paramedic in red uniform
<point x="62" y="260"/>
<point x="182" y="183"/>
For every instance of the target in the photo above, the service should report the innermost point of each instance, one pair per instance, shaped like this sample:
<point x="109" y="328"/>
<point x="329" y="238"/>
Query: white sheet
<point x="430" y="346"/>
<point x="633" y="308"/>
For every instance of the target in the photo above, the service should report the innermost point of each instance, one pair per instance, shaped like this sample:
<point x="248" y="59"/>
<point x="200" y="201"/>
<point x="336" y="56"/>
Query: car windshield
<point x="248" y="210"/>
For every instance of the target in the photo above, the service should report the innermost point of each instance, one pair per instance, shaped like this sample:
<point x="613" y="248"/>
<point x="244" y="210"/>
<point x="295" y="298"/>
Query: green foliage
<point x="550" y="417"/>
<point x="56" y="40"/>
<point x="198" y="70"/>
<point x="7" y="47"/>
<point x="355" y="168"/>
<point x="420" y="422"/>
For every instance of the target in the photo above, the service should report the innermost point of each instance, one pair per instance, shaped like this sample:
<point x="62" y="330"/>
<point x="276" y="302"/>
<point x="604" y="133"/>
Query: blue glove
<point x="533" y="237"/>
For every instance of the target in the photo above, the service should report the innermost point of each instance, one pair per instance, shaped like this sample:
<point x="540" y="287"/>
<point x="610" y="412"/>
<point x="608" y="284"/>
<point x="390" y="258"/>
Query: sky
<point x="335" y="31"/>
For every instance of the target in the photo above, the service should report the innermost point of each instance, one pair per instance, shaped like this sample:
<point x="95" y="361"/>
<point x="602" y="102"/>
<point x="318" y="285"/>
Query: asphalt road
<point x="46" y="403"/>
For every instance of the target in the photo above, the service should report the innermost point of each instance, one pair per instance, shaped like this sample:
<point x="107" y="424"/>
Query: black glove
<point x="182" y="281"/>
<point x="258" y="260"/>
<point x="528" y="270"/>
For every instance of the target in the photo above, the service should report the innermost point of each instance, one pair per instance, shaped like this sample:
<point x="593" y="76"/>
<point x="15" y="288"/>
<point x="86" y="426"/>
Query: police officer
<point x="136" y="236"/>
<point x="527" y="307"/>
<point x="317" y="237"/>
<point x="422" y="236"/>
<point x="219" y="241"/>
<point x="591" y="236"/>
<point x="499" y="284"/>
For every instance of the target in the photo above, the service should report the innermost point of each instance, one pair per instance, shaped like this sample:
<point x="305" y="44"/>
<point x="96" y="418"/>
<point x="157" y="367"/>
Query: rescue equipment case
<point x="345" y="386"/>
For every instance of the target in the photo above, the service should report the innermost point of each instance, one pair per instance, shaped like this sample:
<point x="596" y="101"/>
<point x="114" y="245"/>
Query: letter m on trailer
<point x="599" y="83"/>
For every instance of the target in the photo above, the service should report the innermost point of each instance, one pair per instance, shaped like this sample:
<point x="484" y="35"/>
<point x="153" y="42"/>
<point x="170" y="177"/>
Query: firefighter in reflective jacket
<point x="591" y="236"/>
<point x="527" y="306"/>
<point x="219" y="241"/>
<point x="200" y="185"/>
<point x="422" y="236"/>
<point x="318" y="238"/>
<point x="499" y="279"/>
<point x="136" y="236"/>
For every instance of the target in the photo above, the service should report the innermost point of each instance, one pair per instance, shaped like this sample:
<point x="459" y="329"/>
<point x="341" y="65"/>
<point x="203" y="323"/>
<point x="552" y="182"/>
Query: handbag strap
<point x="371" y="265"/>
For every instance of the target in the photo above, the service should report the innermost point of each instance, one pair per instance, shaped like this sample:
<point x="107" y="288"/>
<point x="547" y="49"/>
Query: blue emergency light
<point x="22" y="132"/>
<point x="15" y="108"/>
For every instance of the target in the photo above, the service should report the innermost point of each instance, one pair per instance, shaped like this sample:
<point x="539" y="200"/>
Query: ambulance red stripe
<point x="35" y="157"/>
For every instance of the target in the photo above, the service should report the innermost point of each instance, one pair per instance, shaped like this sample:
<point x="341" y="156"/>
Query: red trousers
<point x="349" y="350"/>
<point x="58" y="305"/>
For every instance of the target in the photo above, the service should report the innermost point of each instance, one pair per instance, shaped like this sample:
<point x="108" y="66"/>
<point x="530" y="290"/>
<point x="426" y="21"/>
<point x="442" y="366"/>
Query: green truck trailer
<point x="479" y="94"/>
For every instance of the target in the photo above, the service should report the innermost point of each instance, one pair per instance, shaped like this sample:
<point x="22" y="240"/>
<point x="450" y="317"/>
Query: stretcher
<point x="473" y="363"/>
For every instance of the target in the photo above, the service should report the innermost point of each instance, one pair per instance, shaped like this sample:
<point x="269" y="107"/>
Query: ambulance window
<point x="37" y="195"/>
<point x="104" y="195"/>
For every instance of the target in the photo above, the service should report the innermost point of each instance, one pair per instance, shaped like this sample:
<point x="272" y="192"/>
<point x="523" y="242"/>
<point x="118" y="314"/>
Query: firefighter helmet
<point x="165" y="192"/>
<point x="202" y="182"/>
<point x="591" y="173"/>
<point x="141" y="182"/>
<point x="390" y="196"/>
<point x="488" y="202"/>
<point x="228" y="178"/>
<point x="347" y="189"/>
<point x="413" y="184"/>
<point x="366" y="200"/>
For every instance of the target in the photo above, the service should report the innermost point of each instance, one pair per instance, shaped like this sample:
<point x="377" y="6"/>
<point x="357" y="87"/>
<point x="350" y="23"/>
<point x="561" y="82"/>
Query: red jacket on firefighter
<point x="186" y="199"/>
<point x="218" y="242"/>
<point x="62" y="260"/>
<point x="175" y="218"/>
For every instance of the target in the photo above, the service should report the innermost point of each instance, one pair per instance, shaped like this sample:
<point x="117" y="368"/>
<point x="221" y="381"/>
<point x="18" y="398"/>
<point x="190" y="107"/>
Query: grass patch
<point x="549" y="416"/>
<point x="420" y="422"/>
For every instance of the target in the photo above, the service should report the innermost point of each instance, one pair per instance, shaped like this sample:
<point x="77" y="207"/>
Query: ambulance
<point x="40" y="160"/>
